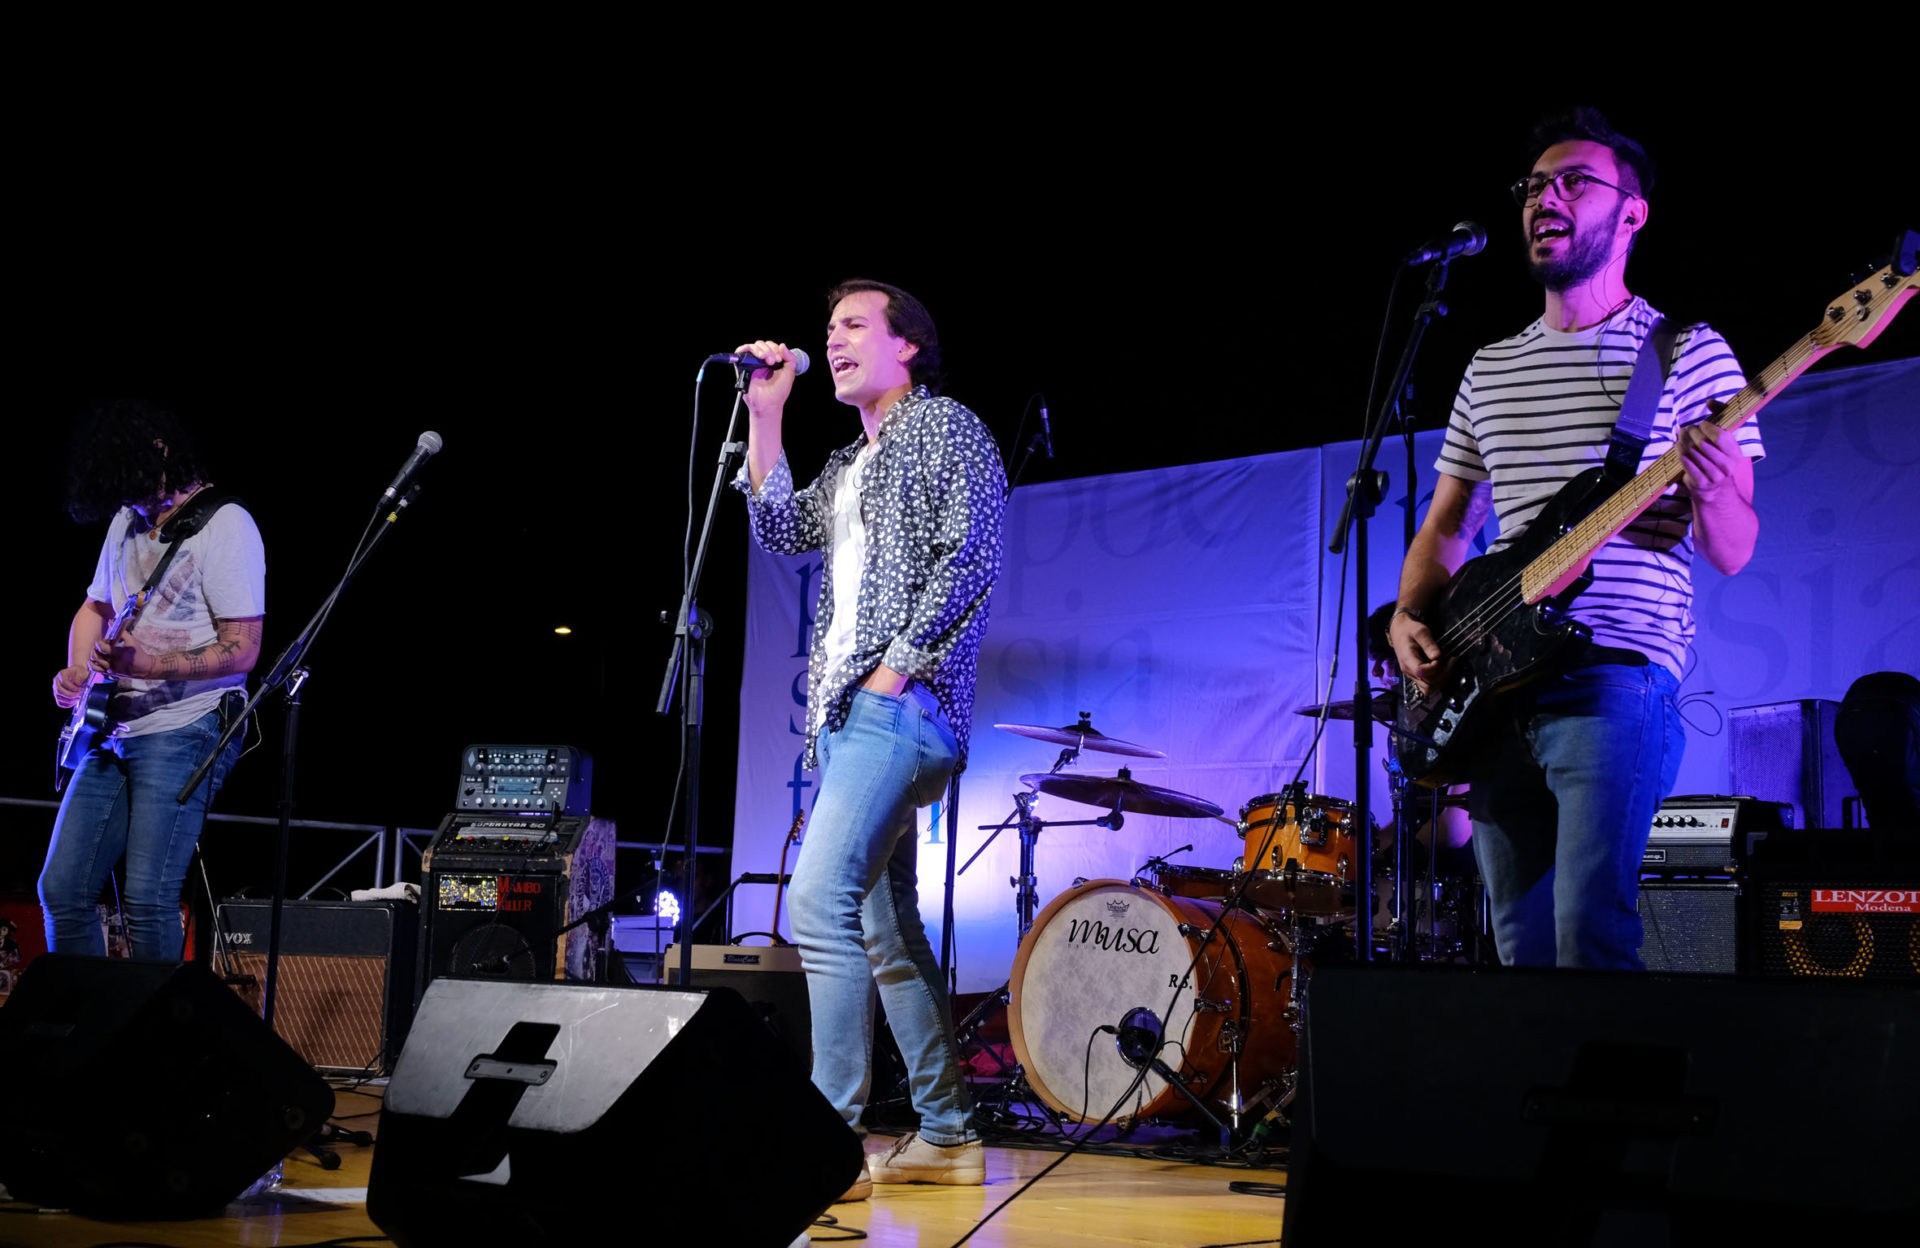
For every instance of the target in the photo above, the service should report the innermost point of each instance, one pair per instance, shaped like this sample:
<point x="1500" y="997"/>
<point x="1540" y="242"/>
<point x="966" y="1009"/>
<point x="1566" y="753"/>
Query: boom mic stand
<point x="290" y="671"/>
<point x="687" y="664"/>
<point x="1365" y="489"/>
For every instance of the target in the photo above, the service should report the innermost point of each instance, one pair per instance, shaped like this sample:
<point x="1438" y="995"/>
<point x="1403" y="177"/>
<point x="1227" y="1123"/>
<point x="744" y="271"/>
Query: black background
<point x="1199" y="274"/>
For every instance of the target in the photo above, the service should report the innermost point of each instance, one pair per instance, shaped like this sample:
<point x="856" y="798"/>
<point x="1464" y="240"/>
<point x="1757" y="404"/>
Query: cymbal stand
<point x="1301" y="938"/>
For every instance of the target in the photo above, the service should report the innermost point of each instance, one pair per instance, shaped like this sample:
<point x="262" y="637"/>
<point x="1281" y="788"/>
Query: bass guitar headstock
<point x="1858" y="315"/>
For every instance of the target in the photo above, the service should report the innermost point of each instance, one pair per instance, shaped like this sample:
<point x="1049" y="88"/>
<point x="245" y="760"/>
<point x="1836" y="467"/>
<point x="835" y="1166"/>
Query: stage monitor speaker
<point x="144" y="1090"/>
<point x="516" y="1108"/>
<point x="1566" y="1107"/>
<point x="345" y="993"/>
<point x="1689" y="926"/>
<point x="1785" y="752"/>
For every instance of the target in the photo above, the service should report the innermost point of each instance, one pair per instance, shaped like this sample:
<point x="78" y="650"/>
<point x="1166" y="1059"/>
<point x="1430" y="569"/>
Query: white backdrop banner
<point x="1193" y="609"/>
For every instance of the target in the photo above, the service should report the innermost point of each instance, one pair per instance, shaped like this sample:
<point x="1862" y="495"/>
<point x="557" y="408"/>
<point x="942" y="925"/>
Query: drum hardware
<point x="1385" y="704"/>
<point x="1207" y="1005"/>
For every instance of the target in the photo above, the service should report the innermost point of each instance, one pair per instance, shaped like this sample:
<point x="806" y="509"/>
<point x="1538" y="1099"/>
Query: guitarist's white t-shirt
<point x="219" y="574"/>
<point x="1535" y="410"/>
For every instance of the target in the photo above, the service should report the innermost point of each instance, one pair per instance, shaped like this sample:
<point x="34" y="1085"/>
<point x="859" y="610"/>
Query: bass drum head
<point x="1104" y="948"/>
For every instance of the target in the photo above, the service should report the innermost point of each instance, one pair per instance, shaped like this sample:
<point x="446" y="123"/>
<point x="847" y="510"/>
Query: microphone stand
<point x="288" y="671"/>
<point x="686" y="665"/>
<point x="949" y="968"/>
<point x="1365" y="489"/>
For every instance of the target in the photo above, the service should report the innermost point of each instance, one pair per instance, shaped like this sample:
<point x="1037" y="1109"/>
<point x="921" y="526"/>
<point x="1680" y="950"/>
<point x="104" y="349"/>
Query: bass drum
<point x="1105" y="949"/>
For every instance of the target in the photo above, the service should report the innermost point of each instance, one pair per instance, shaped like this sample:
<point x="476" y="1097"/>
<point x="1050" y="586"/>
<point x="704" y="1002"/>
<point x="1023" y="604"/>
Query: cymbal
<point x="1124" y="792"/>
<point x="1082" y="736"/>
<point x="1386" y="702"/>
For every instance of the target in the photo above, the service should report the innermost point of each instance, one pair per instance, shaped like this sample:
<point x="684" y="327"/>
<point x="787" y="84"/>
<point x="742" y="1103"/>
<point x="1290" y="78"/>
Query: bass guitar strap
<point x="1634" y="427"/>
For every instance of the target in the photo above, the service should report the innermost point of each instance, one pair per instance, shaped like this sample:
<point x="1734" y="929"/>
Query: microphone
<point x="429" y="444"/>
<point x="800" y="361"/>
<point x="1466" y="239"/>
<point x="1046" y="427"/>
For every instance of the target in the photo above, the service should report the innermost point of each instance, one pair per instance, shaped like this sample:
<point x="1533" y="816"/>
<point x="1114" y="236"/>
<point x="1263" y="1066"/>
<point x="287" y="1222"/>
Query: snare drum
<point x="1104" y="950"/>
<point x="1300" y="850"/>
<point x="1201" y="883"/>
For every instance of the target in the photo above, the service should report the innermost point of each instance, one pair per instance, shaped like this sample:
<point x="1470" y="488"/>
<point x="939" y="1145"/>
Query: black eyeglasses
<point x="1571" y="184"/>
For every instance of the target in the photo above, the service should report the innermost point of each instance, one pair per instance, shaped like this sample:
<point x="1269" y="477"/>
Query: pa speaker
<point x="1566" y="1107"/>
<point x="516" y="1107"/>
<point x="144" y="1089"/>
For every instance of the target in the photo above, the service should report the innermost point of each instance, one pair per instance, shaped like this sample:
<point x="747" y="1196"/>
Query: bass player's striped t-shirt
<point x="1535" y="410"/>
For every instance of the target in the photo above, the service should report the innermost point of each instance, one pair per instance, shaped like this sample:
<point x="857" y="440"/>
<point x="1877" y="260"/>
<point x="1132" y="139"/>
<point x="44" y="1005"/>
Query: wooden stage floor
<point x="1089" y="1202"/>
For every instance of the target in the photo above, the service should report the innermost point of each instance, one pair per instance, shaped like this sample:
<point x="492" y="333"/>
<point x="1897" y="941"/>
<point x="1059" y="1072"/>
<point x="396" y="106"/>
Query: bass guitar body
<point x="91" y="725"/>
<point x="1514" y="642"/>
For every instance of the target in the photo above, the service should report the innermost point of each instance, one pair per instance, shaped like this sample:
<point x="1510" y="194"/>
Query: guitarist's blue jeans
<point x="856" y="909"/>
<point x="1564" y="793"/>
<point x="120" y="801"/>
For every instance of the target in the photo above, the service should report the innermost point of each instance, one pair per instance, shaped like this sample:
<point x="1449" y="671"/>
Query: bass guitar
<point x="1502" y="620"/>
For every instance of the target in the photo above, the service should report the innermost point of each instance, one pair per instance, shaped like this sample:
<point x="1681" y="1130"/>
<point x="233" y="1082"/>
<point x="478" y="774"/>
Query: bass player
<point x="1572" y="769"/>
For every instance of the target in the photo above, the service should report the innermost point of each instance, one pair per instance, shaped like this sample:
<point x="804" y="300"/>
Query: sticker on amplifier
<point x="1790" y="912"/>
<point x="1867" y="900"/>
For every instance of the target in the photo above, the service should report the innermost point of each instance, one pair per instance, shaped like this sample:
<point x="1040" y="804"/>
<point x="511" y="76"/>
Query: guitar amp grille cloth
<point x="345" y="993"/>
<point x="1835" y="905"/>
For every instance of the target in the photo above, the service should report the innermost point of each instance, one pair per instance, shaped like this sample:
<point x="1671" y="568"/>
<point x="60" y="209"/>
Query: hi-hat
<point x="1123" y="793"/>
<point x="1386" y="702"/>
<point x="1082" y="736"/>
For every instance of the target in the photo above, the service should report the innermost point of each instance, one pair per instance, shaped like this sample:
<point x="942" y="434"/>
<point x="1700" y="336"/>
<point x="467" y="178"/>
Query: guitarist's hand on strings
<point x="70" y="685"/>
<point x="117" y="657"/>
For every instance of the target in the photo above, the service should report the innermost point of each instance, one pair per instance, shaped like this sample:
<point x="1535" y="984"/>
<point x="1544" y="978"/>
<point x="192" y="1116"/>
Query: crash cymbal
<point x="1083" y="736"/>
<point x="1386" y="702"/>
<point x="1124" y="792"/>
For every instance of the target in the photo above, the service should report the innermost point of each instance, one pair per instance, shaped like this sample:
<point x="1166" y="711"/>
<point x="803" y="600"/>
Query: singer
<point x="1566" y="785"/>
<point x="179" y="666"/>
<point x="907" y="519"/>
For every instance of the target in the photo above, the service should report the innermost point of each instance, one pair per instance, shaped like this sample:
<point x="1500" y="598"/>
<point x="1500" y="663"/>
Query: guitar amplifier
<point x="1785" y="751"/>
<point x="497" y="887"/>
<point x="344" y="998"/>
<point x="1706" y="835"/>
<point x="767" y="977"/>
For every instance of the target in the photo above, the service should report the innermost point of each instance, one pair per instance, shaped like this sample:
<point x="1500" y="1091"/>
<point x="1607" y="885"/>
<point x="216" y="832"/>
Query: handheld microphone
<point x="1046" y="427"/>
<point x="800" y="361"/>
<point x="1466" y="239"/>
<point x="429" y="444"/>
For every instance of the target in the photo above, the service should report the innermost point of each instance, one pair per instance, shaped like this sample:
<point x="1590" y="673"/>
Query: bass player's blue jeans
<point x="856" y="910"/>
<point x="120" y="801"/>
<point x="1565" y="789"/>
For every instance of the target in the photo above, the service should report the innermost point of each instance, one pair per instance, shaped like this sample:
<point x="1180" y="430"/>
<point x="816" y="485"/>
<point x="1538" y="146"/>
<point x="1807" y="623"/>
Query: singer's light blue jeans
<point x="856" y="911"/>
<point x="120" y="801"/>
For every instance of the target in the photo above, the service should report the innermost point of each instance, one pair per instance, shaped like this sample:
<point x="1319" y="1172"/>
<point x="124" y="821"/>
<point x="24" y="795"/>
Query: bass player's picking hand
<point x="1417" y="651"/>
<point x="70" y="685"/>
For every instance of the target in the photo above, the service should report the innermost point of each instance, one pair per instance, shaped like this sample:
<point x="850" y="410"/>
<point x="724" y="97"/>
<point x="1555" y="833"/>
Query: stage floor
<point x="1089" y="1202"/>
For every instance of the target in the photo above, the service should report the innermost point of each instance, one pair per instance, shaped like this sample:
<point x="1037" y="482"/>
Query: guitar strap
<point x="1634" y="428"/>
<point x="182" y="525"/>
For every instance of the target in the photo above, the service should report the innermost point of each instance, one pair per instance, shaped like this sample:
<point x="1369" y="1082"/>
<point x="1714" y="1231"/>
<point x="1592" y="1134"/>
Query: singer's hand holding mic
<point x="773" y="380"/>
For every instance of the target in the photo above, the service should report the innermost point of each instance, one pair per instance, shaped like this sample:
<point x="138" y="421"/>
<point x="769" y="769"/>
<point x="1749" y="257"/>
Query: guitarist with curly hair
<point x="1569" y="770"/>
<point x="163" y="642"/>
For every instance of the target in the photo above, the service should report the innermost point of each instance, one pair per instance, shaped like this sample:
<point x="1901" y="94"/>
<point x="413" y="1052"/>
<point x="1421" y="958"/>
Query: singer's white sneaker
<point x="914" y="1160"/>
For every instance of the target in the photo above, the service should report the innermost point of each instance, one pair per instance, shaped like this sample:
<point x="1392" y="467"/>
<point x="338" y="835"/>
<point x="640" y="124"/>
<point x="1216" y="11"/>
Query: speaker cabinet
<point x="1785" y="752"/>
<point x="1689" y="926"/>
<point x="515" y="1106"/>
<point x="144" y="1089"/>
<point x="1564" y="1107"/>
<point x="1835" y="904"/>
<point x="345" y="992"/>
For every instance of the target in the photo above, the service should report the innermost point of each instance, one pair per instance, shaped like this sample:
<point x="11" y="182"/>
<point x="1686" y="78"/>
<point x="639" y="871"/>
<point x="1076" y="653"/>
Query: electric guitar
<point x="1502" y="622"/>
<point x="92" y="723"/>
<point x="780" y="887"/>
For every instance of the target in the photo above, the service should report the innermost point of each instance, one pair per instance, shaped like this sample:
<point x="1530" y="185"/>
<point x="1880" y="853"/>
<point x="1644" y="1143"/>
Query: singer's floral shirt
<point x="932" y="500"/>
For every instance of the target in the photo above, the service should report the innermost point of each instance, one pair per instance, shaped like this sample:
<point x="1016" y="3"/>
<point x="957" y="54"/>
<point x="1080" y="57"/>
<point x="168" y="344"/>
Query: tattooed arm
<point x="235" y="649"/>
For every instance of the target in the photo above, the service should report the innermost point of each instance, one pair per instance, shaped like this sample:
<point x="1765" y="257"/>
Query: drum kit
<point x="1198" y="974"/>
